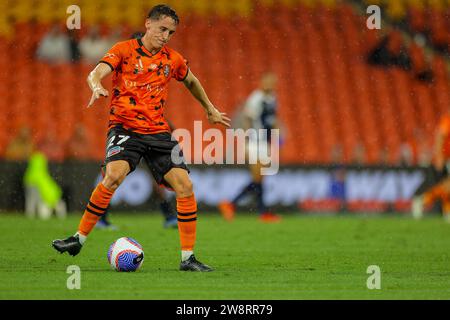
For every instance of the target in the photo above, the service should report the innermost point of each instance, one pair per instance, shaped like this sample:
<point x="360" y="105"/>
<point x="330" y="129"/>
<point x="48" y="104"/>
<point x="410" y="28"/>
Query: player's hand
<point x="214" y="117"/>
<point x="97" y="93"/>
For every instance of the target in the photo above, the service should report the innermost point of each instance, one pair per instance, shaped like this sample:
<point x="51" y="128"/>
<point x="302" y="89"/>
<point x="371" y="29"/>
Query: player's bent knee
<point x="184" y="189"/>
<point x="180" y="182"/>
<point x="112" y="180"/>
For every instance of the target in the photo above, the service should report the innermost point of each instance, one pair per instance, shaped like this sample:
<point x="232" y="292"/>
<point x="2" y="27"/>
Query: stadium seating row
<point x="115" y="12"/>
<point x="328" y="94"/>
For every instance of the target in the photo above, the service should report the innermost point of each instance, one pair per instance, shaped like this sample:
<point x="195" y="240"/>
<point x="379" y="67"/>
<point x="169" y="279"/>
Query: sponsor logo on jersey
<point x="113" y="151"/>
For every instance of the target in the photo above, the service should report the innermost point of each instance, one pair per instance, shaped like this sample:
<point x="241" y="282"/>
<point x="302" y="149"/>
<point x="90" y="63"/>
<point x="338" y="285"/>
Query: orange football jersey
<point x="140" y="85"/>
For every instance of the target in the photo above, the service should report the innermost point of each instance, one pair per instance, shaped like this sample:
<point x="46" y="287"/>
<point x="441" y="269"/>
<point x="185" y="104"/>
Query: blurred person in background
<point x="75" y="54"/>
<point x="55" y="46"/>
<point x="337" y="185"/>
<point x="43" y="196"/>
<point x="338" y="173"/>
<point x="390" y="51"/>
<point x="258" y="112"/>
<point x="437" y="183"/>
<point x="93" y="46"/>
<point x="21" y="146"/>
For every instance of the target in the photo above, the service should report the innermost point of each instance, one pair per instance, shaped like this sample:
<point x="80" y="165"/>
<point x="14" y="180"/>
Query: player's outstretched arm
<point x="195" y="87"/>
<point x="94" y="81"/>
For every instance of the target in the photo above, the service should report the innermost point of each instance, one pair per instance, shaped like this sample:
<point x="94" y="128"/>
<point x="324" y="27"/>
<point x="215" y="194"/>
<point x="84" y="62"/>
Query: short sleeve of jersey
<point x="114" y="56"/>
<point x="252" y="108"/>
<point x="181" y="68"/>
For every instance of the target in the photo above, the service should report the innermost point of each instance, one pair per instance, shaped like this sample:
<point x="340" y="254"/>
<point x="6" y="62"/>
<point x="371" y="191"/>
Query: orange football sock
<point x="98" y="203"/>
<point x="187" y="222"/>
<point x="435" y="193"/>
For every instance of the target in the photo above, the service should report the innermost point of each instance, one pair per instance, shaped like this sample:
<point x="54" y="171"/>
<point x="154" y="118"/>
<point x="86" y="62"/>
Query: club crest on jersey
<point x="113" y="151"/>
<point x="166" y="70"/>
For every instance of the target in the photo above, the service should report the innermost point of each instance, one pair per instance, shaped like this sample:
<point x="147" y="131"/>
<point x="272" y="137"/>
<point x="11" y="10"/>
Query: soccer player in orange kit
<point x="137" y="127"/>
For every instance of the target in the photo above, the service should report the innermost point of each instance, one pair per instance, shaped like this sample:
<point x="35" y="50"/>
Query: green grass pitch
<point x="303" y="257"/>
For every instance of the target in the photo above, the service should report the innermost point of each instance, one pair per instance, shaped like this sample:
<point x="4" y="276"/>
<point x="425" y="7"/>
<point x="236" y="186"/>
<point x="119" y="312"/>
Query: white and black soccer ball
<point x="125" y="254"/>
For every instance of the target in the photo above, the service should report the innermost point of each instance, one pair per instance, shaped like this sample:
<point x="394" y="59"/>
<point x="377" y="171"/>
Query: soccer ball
<point x="125" y="254"/>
